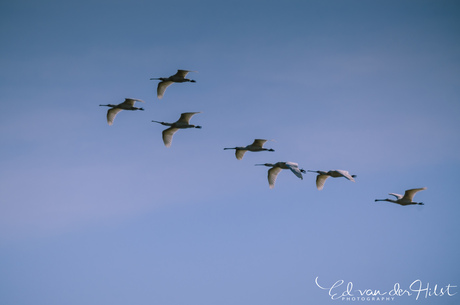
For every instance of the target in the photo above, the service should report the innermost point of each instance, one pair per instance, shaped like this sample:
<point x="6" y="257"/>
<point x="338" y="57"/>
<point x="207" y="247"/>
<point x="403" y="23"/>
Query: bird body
<point x="182" y="123"/>
<point x="323" y="175"/>
<point x="257" y="145"/>
<point x="179" y="77"/>
<point x="128" y="104"/>
<point x="407" y="199"/>
<point x="276" y="169"/>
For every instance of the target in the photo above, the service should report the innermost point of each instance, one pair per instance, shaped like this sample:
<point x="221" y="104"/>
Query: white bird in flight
<point x="257" y="145"/>
<point x="406" y="199"/>
<point x="276" y="169"/>
<point x="179" y="77"/>
<point x="128" y="104"/>
<point x="323" y="175"/>
<point x="182" y="123"/>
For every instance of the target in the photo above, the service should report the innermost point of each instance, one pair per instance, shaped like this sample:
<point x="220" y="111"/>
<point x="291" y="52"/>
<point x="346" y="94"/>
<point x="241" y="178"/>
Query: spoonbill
<point x="276" y="169"/>
<point x="179" y="77"/>
<point x="182" y="123"/>
<point x="406" y="199"/>
<point x="322" y="176"/>
<point x="128" y="104"/>
<point x="255" y="146"/>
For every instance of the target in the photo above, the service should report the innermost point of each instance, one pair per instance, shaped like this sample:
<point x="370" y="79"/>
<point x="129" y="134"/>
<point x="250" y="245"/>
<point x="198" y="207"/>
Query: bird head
<point x="271" y="149"/>
<point x="421" y="203"/>
<point x="198" y="126"/>
<point x="193" y="81"/>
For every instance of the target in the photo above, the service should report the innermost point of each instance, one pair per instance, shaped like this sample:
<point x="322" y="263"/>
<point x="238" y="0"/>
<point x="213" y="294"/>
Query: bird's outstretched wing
<point x="239" y="153"/>
<point x="294" y="167"/>
<point x="162" y="88"/>
<point x="345" y="174"/>
<point x="131" y="101"/>
<point x="272" y="174"/>
<point x="186" y="116"/>
<point x="111" y="114"/>
<point x="168" y="135"/>
<point x="398" y="196"/>
<point x="182" y="73"/>
<point x="409" y="194"/>
<point x="320" y="180"/>
<point x="259" y="142"/>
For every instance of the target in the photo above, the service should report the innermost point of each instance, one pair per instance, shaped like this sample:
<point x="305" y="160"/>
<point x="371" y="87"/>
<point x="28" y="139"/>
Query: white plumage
<point x="128" y="104"/>
<point x="179" y="77"/>
<point x="257" y="145"/>
<point x="182" y="123"/>
<point x="407" y="199"/>
<point x="276" y="169"/>
<point x="323" y="175"/>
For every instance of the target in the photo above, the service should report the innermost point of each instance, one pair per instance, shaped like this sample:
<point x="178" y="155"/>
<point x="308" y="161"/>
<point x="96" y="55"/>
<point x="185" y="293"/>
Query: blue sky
<point x="98" y="214"/>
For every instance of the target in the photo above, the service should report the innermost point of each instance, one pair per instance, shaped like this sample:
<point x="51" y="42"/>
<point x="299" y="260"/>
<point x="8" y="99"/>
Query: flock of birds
<point x="256" y="146"/>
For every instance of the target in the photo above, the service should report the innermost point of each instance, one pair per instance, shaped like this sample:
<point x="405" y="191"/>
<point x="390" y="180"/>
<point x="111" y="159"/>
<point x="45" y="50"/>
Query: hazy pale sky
<point x="99" y="214"/>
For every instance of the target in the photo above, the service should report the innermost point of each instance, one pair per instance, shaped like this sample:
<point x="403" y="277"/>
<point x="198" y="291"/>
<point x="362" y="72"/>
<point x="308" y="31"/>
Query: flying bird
<point x="406" y="199"/>
<point x="276" y="169"/>
<point x="179" y="77"/>
<point x="182" y="123"/>
<point x="257" y="145"/>
<point x="128" y="104"/>
<point x="322" y="176"/>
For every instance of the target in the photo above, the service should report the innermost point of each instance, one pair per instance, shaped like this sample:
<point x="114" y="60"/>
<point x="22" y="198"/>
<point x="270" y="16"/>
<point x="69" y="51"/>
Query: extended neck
<point x="163" y="123"/>
<point x="266" y="164"/>
<point x="237" y="148"/>
<point x="389" y="200"/>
